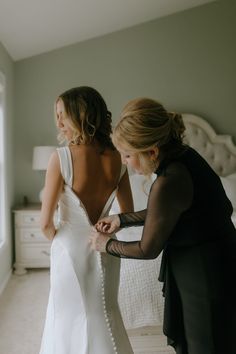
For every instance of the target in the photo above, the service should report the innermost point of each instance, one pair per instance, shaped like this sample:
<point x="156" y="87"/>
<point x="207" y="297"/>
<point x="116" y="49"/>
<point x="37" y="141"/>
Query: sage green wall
<point x="7" y="69"/>
<point x="187" y="61"/>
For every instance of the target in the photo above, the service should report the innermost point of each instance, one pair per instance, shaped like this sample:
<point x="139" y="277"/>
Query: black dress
<point x="188" y="217"/>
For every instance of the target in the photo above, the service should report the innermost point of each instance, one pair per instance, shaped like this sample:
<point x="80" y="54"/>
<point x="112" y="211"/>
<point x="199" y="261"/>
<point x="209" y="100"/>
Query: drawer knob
<point x="32" y="235"/>
<point x="46" y="253"/>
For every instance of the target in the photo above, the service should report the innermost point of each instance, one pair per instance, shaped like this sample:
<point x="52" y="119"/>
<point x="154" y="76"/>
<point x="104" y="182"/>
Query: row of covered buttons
<point x="104" y="303"/>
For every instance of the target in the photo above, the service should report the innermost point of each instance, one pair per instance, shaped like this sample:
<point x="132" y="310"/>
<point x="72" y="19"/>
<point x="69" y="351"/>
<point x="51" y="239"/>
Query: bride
<point x="82" y="179"/>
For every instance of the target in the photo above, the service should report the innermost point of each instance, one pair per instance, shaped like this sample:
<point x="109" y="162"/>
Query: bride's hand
<point x="109" y="224"/>
<point x="98" y="241"/>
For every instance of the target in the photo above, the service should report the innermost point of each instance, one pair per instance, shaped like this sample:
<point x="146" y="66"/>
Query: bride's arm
<point x="52" y="190"/>
<point x="124" y="194"/>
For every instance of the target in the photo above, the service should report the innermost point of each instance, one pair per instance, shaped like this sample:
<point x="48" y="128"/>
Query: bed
<point x="140" y="294"/>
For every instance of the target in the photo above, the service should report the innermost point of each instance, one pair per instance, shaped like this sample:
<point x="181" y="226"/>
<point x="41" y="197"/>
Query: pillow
<point x="229" y="184"/>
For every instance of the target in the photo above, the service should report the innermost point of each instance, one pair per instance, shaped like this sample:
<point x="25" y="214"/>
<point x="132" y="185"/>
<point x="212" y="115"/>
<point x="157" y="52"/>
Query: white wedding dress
<point x="83" y="315"/>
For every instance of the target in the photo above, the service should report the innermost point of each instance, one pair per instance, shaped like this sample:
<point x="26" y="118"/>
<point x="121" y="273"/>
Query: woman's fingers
<point x="103" y="227"/>
<point x="108" y="225"/>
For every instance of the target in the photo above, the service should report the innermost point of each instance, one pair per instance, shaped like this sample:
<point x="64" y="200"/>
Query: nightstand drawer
<point x="35" y="254"/>
<point x="32" y="235"/>
<point x="31" y="219"/>
<point x="32" y="248"/>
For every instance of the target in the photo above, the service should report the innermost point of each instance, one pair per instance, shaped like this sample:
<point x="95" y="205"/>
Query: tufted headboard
<point x="218" y="150"/>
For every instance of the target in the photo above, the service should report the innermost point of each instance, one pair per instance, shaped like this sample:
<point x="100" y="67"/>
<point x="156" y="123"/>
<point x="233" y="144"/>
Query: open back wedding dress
<point x="83" y="315"/>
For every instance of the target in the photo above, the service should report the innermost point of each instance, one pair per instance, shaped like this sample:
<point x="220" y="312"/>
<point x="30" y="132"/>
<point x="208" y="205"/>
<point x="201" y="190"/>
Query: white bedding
<point x="140" y="294"/>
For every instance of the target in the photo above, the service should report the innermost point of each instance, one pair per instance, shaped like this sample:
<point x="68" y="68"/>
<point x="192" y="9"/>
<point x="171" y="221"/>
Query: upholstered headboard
<point x="218" y="150"/>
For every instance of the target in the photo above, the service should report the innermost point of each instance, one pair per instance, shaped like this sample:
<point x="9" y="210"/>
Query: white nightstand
<point x="32" y="248"/>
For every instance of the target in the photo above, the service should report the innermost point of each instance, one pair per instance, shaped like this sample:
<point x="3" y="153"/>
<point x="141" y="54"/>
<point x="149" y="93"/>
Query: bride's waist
<point x="74" y="224"/>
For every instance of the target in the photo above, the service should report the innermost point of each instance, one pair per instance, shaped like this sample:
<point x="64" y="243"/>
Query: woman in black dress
<point x="188" y="217"/>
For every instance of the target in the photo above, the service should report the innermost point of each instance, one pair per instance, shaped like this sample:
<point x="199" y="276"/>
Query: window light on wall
<point x="2" y="165"/>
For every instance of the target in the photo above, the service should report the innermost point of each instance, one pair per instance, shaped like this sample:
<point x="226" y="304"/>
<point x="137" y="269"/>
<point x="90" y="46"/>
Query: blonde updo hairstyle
<point x="87" y="115"/>
<point x="145" y="124"/>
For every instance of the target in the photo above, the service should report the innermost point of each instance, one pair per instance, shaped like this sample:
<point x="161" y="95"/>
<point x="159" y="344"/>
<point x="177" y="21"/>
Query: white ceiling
<point x="30" y="27"/>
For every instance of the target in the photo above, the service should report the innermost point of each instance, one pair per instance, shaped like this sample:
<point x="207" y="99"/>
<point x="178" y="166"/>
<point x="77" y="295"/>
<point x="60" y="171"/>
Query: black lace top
<point x="187" y="205"/>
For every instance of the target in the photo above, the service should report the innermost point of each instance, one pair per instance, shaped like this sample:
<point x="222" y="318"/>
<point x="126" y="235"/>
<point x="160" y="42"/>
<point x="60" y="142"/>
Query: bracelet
<point x="107" y="244"/>
<point x="122" y="222"/>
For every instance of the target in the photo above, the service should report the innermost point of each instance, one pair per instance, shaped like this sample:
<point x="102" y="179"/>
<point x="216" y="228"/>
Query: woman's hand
<point x="108" y="225"/>
<point x="98" y="241"/>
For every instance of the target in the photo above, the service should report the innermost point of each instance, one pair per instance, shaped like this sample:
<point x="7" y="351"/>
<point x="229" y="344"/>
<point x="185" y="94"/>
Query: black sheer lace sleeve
<point x="132" y="219"/>
<point x="170" y="194"/>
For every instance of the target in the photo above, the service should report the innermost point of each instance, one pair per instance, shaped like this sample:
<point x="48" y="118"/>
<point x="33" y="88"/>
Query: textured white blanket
<point x="140" y="295"/>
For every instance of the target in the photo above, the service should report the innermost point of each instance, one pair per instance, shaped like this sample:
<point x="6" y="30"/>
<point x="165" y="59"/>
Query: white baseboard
<point x="5" y="281"/>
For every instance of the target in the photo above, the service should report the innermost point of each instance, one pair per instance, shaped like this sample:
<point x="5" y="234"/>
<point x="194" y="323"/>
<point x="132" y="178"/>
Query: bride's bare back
<point x="96" y="174"/>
